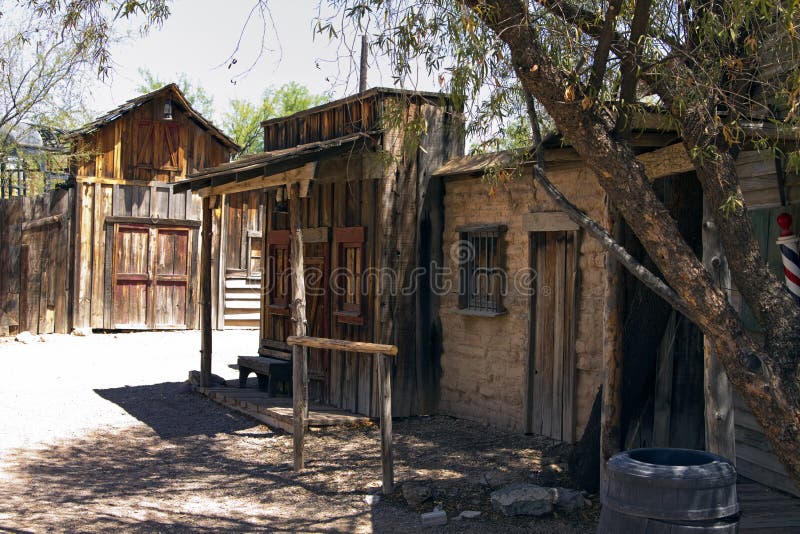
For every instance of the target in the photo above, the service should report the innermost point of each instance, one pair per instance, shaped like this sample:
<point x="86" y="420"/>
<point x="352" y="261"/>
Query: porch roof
<point x="250" y="172"/>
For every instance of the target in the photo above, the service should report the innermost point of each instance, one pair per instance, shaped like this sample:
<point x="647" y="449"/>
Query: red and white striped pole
<point x="788" y="245"/>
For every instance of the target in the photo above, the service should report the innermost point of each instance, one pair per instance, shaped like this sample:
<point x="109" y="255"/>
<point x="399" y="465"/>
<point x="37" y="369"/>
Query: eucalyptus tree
<point x="724" y="72"/>
<point x="49" y="48"/>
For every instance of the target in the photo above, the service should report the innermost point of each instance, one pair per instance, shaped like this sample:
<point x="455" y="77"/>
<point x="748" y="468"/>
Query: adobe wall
<point x="483" y="360"/>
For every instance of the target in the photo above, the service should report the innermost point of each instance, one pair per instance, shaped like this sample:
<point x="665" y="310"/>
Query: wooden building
<point x="366" y="214"/>
<point x="495" y="298"/>
<point x="530" y="358"/>
<point x="117" y="249"/>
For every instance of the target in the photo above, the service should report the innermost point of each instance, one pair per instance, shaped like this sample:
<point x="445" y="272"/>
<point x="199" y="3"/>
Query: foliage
<point x="49" y="49"/>
<point x="724" y="75"/>
<point x="243" y="120"/>
<point x="197" y="96"/>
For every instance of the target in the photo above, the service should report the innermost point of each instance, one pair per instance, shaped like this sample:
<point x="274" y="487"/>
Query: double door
<point x="151" y="277"/>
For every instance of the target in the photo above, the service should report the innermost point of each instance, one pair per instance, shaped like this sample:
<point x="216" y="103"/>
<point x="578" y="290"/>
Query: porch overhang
<point x="273" y="169"/>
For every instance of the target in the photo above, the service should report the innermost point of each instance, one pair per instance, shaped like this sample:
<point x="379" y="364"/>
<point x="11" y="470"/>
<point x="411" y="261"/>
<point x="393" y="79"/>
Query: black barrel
<point x="669" y="491"/>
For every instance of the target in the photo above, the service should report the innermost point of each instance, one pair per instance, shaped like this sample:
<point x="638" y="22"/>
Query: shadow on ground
<point x="163" y="407"/>
<point x="192" y="466"/>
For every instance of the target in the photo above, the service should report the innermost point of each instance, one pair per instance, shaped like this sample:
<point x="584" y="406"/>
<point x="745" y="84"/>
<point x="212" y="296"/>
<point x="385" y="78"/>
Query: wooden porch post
<point x="299" y="363"/>
<point x="611" y="407"/>
<point x="387" y="457"/>
<point x="720" y="431"/>
<point x="205" y="296"/>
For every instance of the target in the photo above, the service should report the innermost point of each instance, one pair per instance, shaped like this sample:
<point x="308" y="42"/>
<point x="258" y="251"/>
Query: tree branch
<point x="603" y="47"/>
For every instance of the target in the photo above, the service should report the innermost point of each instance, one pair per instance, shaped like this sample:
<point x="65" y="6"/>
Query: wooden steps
<point x="242" y="303"/>
<point x="276" y="412"/>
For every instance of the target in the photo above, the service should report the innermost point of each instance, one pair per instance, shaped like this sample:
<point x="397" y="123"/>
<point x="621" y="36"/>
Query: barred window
<point x="481" y="272"/>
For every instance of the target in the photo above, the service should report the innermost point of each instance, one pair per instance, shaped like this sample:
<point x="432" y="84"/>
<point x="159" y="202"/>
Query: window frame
<point x="351" y="237"/>
<point x="490" y="239"/>
<point x="278" y="240"/>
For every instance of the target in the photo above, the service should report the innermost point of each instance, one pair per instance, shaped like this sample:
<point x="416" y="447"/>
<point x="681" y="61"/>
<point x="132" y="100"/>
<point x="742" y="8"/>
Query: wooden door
<point x="131" y="276"/>
<point x="550" y="394"/>
<point x="151" y="277"/>
<point x="171" y="278"/>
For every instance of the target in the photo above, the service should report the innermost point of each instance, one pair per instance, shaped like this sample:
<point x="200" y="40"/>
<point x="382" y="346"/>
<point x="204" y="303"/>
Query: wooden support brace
<point x="387" y="457"/>
<point x="299" y="360"/>
<point x="719" y="409"/>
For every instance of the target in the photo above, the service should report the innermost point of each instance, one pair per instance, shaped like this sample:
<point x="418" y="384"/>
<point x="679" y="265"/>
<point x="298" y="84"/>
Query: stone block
<point x="523" y="499"/>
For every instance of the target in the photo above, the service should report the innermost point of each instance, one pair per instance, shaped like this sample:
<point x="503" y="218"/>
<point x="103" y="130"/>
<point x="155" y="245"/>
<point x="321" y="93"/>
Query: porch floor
<point x="765" y="510"/>
<point x="277" y="412"/>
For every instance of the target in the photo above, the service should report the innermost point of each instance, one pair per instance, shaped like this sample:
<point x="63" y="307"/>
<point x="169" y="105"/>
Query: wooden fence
<point x="35" y="252"/>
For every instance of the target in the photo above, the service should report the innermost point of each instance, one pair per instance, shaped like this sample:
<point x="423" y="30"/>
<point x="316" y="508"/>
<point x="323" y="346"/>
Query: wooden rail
<point x="343" y="345"/>
<point x="383" y="352"/>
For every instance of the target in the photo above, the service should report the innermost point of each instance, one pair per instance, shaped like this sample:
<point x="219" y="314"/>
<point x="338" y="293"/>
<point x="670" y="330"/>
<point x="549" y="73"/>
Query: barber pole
<point x="788" y="245"/>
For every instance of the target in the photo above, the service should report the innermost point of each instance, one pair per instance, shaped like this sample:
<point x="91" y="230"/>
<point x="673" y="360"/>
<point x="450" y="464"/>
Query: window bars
<point x="481" y="273"/>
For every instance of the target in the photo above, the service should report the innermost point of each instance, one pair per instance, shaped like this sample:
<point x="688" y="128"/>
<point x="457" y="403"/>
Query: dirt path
<point x="98" y="434"/>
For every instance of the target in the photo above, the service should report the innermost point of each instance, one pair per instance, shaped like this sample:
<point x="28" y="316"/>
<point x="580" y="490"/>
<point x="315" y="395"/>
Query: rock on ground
<point x="568" y="499"/>
<point x="435" y="518"/>
<point x="523" y="499"/>
<point x="416" y="493"/>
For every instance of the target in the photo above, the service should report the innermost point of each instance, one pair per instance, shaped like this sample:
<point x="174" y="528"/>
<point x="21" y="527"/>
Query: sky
<point x="200" y="37"/>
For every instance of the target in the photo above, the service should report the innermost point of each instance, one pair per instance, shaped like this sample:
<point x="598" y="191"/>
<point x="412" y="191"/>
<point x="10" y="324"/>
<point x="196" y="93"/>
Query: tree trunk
<point x="766" y="380"/>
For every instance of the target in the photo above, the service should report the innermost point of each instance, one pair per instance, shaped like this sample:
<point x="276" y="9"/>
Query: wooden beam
<point x="205" y="295"/>
<point x="666" y="161"/>
<point x="301" y="174"/>
<point x="611" y="407"/>
<point x="299" y="361"/>
<point x="342" y="345"/>
<point x="719" y="413"/>
<point x="44" y="221"/>
<point x="549" y="221"/>
<point x="383" y="353"/>
<point x="155" y="221"/>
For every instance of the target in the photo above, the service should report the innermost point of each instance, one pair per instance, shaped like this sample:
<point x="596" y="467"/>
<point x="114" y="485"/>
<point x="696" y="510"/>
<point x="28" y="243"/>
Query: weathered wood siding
<point x="141" y="145"/>
<point x="340" y="379"/>
<point x="136" y="242"/>
<point x="759" y="178"/>
<point x="106" y="215"/>
<point x="365" y="212"/>
<point x="34" y="265"/>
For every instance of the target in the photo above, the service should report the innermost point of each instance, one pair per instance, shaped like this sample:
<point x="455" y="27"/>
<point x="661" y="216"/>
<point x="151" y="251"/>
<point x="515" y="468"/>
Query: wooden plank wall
<point x="754" y="457"/>
<point x="12" y="213"/>
<point x="243" y="213"/>
<point x="337" y="120"/>
<point x="34" y="266"/>
<point x="141" y="145"/>
<point x="759" y="180"/>
<point x="348" y="379"/>
<point x="95" y="202"/>
<point x="388" y="196"/>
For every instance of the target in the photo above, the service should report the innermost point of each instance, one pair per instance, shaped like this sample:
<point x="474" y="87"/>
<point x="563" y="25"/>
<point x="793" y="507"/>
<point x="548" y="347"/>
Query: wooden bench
<point x="268" y="371"/>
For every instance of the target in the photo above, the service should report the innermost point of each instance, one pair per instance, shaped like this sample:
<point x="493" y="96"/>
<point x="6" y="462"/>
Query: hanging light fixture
<point x="168" y="109"/>
<point x="281" y="202"/>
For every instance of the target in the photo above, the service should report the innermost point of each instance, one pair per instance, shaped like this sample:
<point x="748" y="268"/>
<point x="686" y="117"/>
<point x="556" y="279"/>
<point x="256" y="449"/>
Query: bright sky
<point x="200" y="36"/>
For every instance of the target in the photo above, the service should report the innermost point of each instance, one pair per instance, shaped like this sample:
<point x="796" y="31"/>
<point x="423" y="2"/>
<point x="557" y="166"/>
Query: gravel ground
<point x="98" y="433"/>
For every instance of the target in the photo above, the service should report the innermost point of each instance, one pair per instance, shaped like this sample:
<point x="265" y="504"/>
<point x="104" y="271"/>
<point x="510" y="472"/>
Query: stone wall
<point x="484" y="358"/>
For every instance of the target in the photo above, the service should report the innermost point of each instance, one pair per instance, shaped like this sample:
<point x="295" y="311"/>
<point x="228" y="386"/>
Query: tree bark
<point x="766" y="379"/>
